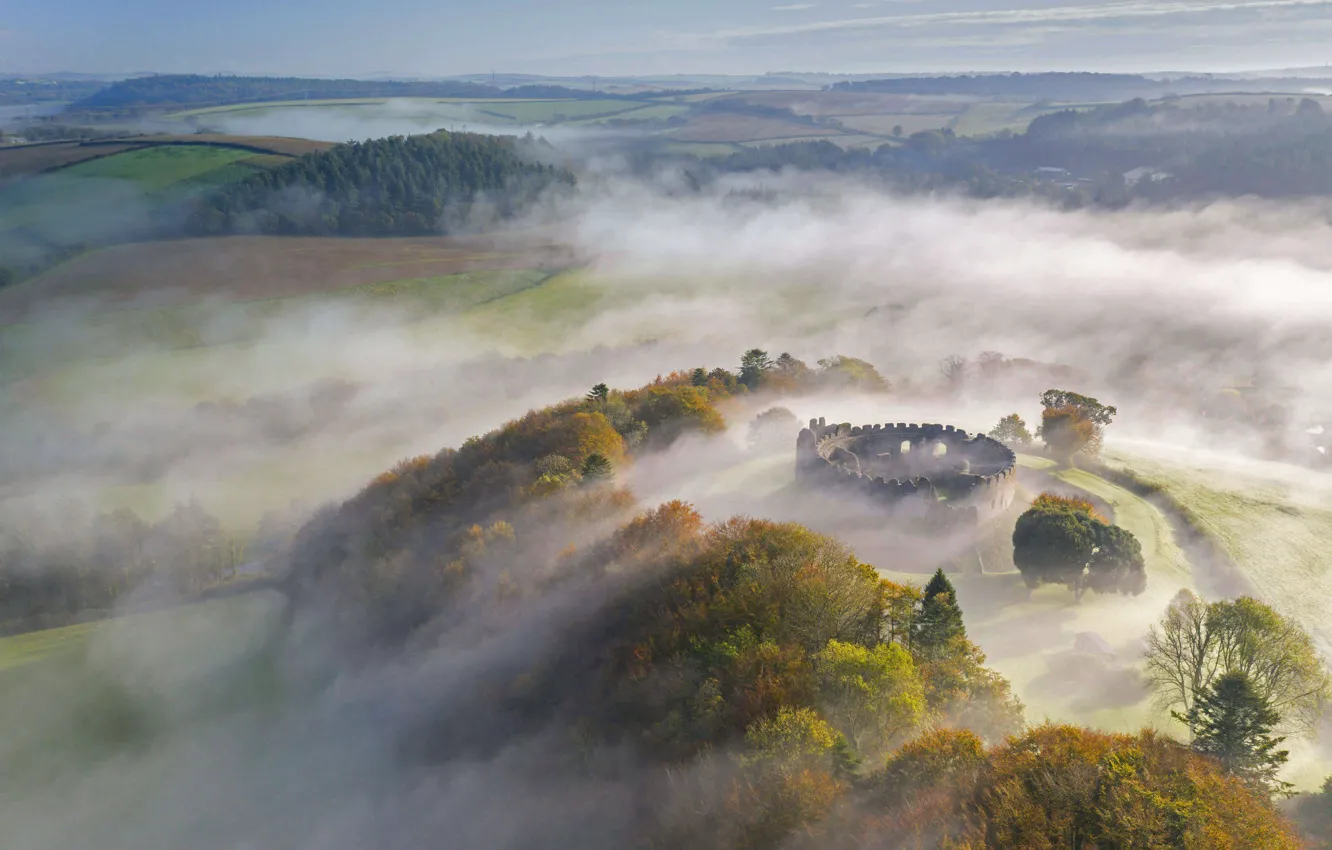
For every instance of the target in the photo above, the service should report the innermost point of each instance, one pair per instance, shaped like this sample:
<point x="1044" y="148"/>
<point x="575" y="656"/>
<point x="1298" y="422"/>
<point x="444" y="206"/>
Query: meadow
<point x="1271" y="519"/>
<point x="160" y="166"/>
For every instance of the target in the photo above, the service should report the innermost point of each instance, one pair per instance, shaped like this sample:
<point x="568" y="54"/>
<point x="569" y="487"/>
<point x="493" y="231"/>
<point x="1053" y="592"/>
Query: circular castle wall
<point x="931" y="473"/>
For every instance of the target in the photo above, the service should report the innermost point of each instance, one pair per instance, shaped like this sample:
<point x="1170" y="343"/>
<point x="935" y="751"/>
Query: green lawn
<point x="1273" y="520"/>
<point x="1029" y="636"/>
<point x="34" y="646"/>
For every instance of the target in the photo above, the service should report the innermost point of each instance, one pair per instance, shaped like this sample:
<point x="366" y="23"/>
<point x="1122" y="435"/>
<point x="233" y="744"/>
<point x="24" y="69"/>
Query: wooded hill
<point x="400" y="185"/>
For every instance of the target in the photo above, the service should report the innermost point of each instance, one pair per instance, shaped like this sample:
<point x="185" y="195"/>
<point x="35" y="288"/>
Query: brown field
<point x="249" y="267"/>
<point x="30" y="159"/>
<point x="18" y="160"/>
<point x="743" y="128"/>
<point x="263" y="144"/>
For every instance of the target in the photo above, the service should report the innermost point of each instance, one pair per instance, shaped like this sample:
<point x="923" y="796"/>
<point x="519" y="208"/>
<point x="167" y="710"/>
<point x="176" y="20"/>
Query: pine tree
<point x="753" y="365"/>
<point x="596" y="468"/>
<point x="940" y="620"/>
<point x="599" y="393"/>
<point x="699" y="378"/>
<point x="1233" y="723"/>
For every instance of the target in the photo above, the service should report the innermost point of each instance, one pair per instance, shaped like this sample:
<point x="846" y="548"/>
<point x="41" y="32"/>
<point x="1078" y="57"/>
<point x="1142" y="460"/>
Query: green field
<point x="20" y="650"/>
<point x="1272" y="520"/>
<point x="160" y="166"/>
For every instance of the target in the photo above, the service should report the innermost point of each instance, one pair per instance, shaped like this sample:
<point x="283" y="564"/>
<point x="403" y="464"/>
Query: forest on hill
<point x="393" y="186"/>
<point x="783" y="692"/>
<point x="1110" y="155"/>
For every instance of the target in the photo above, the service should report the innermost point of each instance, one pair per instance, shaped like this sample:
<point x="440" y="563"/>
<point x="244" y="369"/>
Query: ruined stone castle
<point x="933" y="477"/>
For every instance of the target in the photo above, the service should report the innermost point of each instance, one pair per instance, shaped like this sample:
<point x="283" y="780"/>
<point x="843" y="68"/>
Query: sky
<point x="621" y="37"/>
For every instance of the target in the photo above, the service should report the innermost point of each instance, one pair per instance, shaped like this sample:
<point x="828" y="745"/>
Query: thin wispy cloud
<point x="1047" y="15"/>
<point x="794" y="7"/>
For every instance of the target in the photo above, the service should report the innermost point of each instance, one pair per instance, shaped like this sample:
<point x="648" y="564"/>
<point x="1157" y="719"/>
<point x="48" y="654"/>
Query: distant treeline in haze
<point x="184" y="90"/>
<point x="1105" y="156"/>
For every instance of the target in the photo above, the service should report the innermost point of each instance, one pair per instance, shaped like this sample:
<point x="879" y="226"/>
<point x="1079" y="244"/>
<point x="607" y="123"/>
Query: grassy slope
<point x="1029" y="637"/>
<point x="1274" y="521"/>
<point x="34" y="646"/>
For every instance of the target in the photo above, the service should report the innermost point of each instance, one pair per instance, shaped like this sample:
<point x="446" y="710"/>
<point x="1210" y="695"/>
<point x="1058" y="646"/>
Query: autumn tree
<point x="840" y="372"/>
<point x="790" y="760"/>
<point x="1073" y="423"/>
<point x="1196" y="642"/>
<point x="1232" y="722"/>
<point x="1012" y="431"/>
<point x="873" y="695"/>
<point x="1061" y="541"/>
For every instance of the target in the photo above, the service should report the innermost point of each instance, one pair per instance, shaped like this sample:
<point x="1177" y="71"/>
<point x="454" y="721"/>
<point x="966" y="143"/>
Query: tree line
<point x="57" y="567"/>
<point x="400" y="185"/>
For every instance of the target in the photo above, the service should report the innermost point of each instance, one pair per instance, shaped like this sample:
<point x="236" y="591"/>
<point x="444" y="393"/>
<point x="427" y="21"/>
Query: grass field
<point x="160" y="166"/>
<point x="18" y="160"/>
<point x="20" y="650"/>
<point x="1273" y="520"/>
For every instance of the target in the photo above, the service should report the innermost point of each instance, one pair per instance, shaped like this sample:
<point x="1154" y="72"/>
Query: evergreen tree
<point x="596" y="468"/>
<point x="940" y="619"/>
<point x="699" y="377"/>
<point x="753" y="365"/>
<point x="599" y="393"/>
<point x="1233" y="723"/>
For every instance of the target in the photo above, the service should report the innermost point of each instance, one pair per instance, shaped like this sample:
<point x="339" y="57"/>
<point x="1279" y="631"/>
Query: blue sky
<point x="420" y="37"/>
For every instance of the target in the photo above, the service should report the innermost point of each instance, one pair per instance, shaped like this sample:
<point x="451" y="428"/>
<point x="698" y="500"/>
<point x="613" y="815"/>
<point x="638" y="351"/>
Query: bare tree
<point x="1196" y="642"/>
<point x="954" y="370"/>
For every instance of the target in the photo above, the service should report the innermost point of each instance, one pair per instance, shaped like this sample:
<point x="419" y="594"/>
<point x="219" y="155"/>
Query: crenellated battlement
<point x="924" y="471"/>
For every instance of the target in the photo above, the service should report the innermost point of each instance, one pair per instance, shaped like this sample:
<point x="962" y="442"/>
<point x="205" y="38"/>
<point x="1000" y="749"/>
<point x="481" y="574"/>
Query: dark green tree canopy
<point x="753" y="365"/>
<point x="400" y="185"/>
<point x="600" y="392"/>
<point x="1059" y="541"/>
<point x="940" y="618"/>
<point x="597" y="467"/>
<point x="1232" y="722"/>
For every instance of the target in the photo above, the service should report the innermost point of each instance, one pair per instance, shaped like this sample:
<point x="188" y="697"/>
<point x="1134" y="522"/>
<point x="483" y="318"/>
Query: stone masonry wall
<point x="905" y="468"/>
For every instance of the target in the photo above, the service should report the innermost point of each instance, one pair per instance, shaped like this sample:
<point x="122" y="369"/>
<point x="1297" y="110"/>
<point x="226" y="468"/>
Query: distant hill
<point x="400" y="185"/>
<point x="192" y="90"/>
